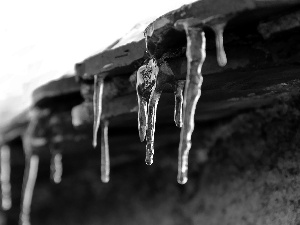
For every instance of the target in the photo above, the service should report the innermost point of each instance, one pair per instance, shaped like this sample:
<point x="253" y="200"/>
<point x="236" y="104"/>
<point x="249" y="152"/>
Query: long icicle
<point x="30" y="174"/>
<point x="56" y="167"/>
<point x="142" y="104"/>
<point x="5" y="177"/>
<point x="218" y="28"/>
<point x="98" y="92"/>
<point x="160" y="76"/>
<point x="154" y="98"/>
<point x="105" y="162"/>
<point x="178" y="102"/>
<point x="195" y="54"/>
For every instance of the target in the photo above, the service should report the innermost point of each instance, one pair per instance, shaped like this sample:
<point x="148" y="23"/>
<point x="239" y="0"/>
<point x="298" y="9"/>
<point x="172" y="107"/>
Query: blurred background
<point x="244" y="161"/>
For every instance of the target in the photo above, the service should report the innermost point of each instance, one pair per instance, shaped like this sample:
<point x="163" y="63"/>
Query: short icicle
<point x="105" y="162"/>
<point x="56" y="167"/>
<point x="154" y="98"/>
<point x="221" y="55"/>
<point x="195" y="54"/>
<point x="178" y="102"/>
<point x="142" y="104"/>
<point x="30" y="174"/>
<point x="5" y="177"/>
<point x="98" y="92"/>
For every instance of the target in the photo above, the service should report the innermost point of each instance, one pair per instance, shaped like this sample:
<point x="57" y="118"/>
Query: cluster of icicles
<point x="150" y="80"/>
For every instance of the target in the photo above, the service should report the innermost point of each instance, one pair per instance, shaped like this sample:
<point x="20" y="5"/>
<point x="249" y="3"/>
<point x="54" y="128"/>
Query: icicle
<point x="5" y="177"/>
<point x="98" y="91"/>
<point x="221" y="55"/>
<point x="30" y="175"/>
<point x="142" y="103"/>
<point x="56" y="166"/>
<point x="195" y="54"/>
<point x="150" y="79"/>
<point x="178" y="102"/>
<point x="105" y="162"/>
<point x="154" y="98"/>
<point x="146" y="81"/>
<point x="165" y="76"/>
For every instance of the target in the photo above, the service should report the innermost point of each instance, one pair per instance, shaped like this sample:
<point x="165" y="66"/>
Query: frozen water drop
<point x="105" y="162"/>
<point x="98" y="93"/>
<point x="221" y="55"/>
<point x="30" y="174"/>
<point x="56" y="166"/>
<point x="5" y="177"/>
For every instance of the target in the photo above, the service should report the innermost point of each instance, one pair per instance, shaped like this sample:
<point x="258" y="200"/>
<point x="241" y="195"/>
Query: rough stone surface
<point x="249" y="176"/>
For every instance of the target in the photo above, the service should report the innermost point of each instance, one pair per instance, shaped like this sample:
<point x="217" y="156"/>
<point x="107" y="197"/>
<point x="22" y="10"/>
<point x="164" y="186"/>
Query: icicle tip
<point x="95" y="142"/>
<point x="181" y="179"/>
<point x="105" y="179"/>
<point x="149" y="161"/>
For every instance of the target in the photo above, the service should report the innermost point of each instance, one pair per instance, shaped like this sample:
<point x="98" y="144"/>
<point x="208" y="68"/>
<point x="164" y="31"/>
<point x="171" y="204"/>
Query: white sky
<point x="42" y="40"/>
